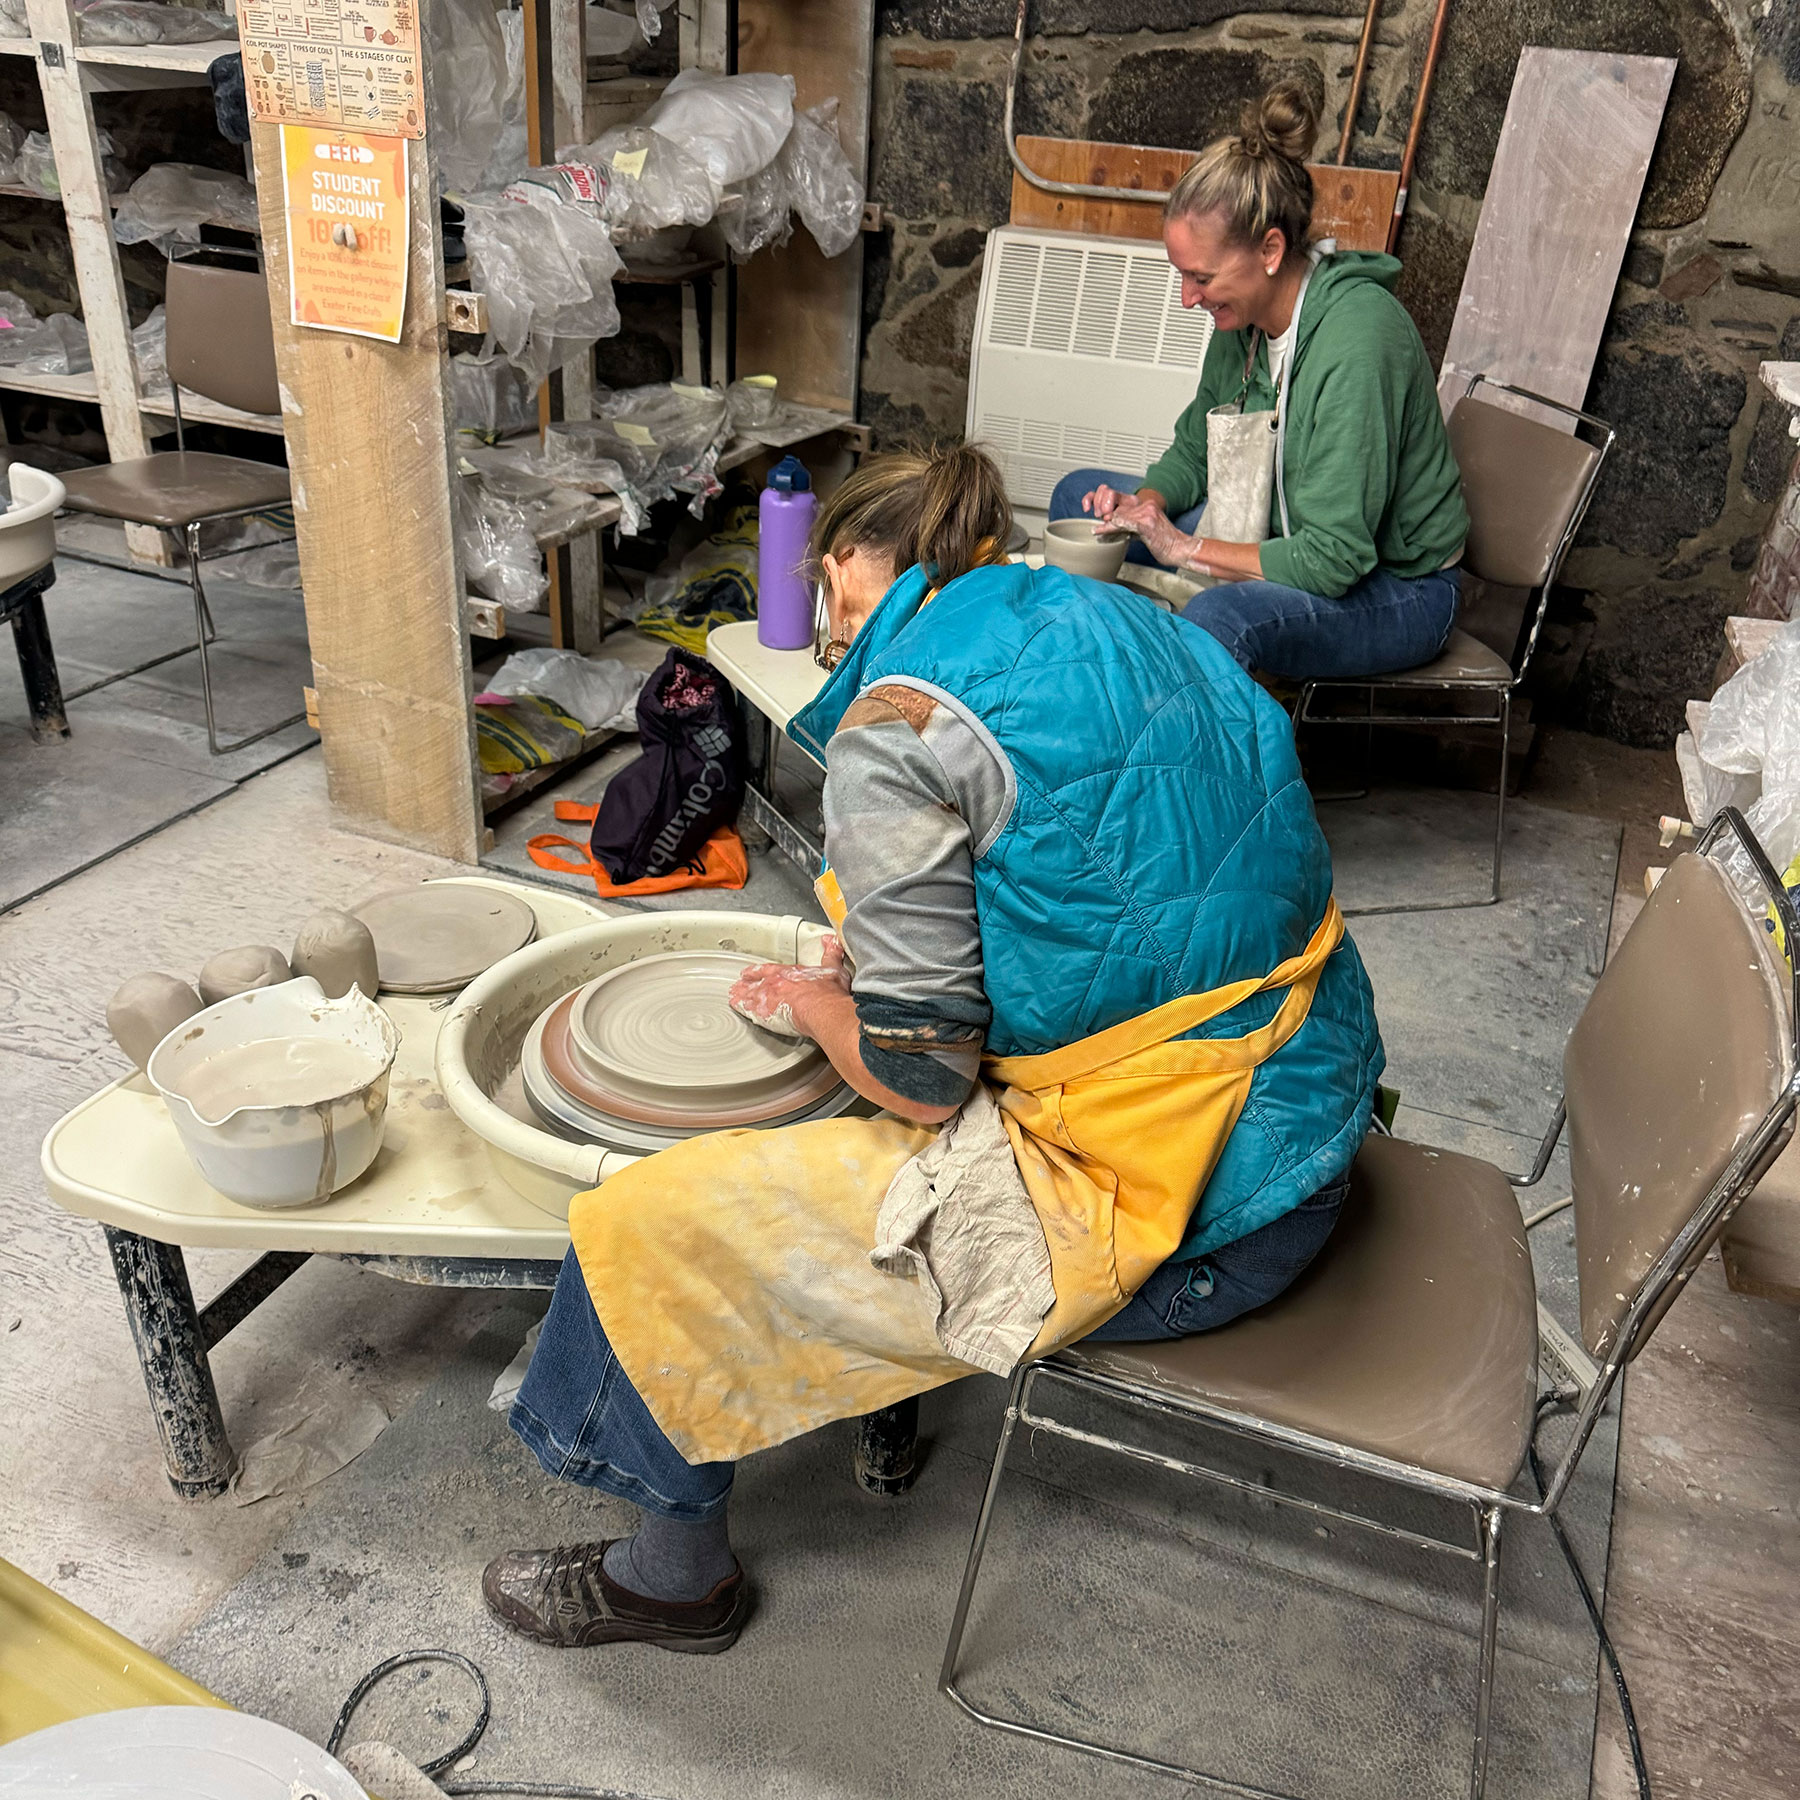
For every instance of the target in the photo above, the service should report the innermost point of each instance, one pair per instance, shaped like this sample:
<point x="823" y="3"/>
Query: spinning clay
<point x="338" y="951"/>
<point x="237" y="971"/>
<point x="146" y="1009"/>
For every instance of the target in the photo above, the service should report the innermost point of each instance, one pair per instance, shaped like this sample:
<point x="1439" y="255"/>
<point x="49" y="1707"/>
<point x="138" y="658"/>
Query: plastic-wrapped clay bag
<point x="12" y="137"/>
<point x="57" y="345"/>
<point x="651" y="182"/>
<point x="150" y="350"/>
<point x="541" y="251"/>
<point x="647" y="444"/>
<point x="465" y="97"/>
<point x="502" y="508"/>
<point x="151" y="22"/>
<point x="37" y="166"/>
<point x="734" y="125"/>
<point x="599" y="690"/>
<point x="823" y="188"/>
<point x="510" y="156"/>
<point x="754" y="214"/>
<point x="488" y="396"/>
<point x="1753" y="727"/>
<point x="169" y="203"/>
<point x="649" y="16"/>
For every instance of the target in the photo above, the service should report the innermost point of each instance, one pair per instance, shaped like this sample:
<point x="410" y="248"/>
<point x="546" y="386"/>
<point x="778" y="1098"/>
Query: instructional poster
<point x="346" y="199"/>
<point x="351" y="63"/>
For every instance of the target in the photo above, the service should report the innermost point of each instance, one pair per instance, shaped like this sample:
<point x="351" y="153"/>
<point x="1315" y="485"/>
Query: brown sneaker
<point x="565" y="1598"/>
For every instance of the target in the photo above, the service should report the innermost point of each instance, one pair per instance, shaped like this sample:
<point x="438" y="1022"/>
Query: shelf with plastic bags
<point x="195" y="408"/>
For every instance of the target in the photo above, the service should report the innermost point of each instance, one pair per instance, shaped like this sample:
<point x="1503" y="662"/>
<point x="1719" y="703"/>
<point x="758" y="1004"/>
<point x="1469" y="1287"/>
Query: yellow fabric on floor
<point x="732" y="1272"/>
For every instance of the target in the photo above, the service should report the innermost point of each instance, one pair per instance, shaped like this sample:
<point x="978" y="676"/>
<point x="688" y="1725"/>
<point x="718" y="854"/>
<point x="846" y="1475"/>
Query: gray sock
<point x="672" y="1559"/>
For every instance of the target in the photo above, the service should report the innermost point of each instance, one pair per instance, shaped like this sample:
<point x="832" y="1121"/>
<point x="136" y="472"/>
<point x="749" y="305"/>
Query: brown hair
<point x="945" y="507"/>
<point x="1257" y="179"/>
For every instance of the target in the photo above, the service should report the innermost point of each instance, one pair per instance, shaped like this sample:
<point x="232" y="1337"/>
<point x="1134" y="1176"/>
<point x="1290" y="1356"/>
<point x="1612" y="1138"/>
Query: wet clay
<point x="238" y="971"/>
<point x="338" y="951"/>
<point x="276" y="1072"/>
<point x="146" y="1009"/>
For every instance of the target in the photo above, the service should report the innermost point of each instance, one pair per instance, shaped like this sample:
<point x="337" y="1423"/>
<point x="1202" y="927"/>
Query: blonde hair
<point x="945" y="507"/>
<point x="1257" y="179"/>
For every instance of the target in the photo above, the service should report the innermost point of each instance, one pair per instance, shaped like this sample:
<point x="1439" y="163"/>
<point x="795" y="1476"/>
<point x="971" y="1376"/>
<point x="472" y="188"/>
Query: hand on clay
<point x="1103" y="502"/>
<point x="780" y="996"/>
<point x="1160" y="535"/>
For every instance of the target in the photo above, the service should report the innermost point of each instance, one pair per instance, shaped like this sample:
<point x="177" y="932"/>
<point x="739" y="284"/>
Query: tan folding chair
<point x="1527" y="486"/>
<point x="221" y="344"/>
<point x="1409" y="1351"/>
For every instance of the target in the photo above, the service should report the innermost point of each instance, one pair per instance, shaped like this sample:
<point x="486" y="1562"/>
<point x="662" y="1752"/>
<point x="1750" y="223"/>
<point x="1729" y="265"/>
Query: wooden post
<point x="368" y="435"/>
<point x="74" y="140"/>
<point x="799" y="313"/>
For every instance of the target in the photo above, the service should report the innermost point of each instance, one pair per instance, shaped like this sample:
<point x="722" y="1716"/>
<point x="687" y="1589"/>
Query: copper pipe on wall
<point x="1358" y="76"/>
<point x="1432" y="50"/>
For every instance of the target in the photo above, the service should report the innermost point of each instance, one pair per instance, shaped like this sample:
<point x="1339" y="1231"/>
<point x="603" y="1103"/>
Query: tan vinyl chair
<point x="1409" y="1351"/>
<point x="221" y="344"/>
<point x="1527" y="486"/>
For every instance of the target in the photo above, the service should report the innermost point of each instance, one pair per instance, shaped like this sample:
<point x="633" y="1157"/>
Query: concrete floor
<point x="280" y="1604"/>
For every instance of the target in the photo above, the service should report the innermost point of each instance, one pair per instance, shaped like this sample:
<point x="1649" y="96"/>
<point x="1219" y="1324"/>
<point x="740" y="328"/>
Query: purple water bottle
<point x="784" y="609"/>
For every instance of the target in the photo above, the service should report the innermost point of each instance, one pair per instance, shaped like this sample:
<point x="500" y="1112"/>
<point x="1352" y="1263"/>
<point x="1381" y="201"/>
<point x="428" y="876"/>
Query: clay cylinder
<point x="145" y="1010"/>
<point x="237" y="971"/>
<point x="338" y="951"/>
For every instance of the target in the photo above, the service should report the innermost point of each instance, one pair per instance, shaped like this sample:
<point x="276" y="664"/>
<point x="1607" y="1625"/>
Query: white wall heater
<point x="1082" y="357"/>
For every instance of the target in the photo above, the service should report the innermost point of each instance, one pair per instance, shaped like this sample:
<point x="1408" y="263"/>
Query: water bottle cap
<point x="789" y="476"/>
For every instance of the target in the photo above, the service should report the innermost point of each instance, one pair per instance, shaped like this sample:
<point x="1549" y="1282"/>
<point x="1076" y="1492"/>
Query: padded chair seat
<point x="1465" y="662"/>
<point x="175" y="488"/>
<point x="1412" y="1335"/>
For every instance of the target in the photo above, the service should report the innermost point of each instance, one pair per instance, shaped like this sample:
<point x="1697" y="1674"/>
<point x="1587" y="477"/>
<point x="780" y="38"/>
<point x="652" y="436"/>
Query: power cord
<point x="541" y="1790"/>
<point x="1546" y="1404"/>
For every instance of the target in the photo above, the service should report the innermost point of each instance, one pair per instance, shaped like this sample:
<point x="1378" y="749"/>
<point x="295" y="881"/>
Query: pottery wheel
<point x="655" y="1043"/>
<point x="438" y="937"/>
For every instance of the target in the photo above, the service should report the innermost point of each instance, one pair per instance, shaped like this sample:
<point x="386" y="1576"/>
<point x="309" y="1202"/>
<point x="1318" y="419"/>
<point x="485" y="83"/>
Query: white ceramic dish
<point x="28" y="526"/>
<point x="280" y="1156"/>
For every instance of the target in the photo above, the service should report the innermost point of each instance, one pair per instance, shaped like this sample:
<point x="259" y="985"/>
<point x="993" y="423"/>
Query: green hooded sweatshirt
<point x="1370" y="478"/>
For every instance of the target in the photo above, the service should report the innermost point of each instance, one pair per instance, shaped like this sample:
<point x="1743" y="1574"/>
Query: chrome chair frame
<point x="1502" y="692"/>
<point x="1488" y="1506"/>
<point x="205" y="631"/>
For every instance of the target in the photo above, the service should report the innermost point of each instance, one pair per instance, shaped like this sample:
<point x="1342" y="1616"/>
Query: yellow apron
<point x="732" y="1272"/>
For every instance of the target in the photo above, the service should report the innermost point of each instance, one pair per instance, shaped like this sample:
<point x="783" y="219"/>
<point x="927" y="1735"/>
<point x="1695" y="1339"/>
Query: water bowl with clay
<point x="28" y="525"/>
<point x="279" y="1094"/>
<point x="1078" y="546"/>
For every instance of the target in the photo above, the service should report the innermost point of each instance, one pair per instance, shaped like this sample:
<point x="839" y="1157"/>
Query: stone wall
<point x="1711" y="283"/>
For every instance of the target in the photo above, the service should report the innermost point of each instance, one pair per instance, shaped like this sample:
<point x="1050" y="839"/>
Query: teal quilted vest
<point x="1159" y="842"/>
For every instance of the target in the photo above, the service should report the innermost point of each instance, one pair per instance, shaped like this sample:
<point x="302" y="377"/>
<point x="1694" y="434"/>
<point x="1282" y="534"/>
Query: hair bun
<point x="1285" y="123"/>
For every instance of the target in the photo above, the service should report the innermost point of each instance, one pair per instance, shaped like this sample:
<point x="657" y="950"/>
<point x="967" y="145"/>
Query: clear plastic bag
<point x="12" y="138"/>
<point x="823" y="187"/>
<point x="169" y="203"/>
<point x="541" y="252"/>
<point x="151" y="22"/>
<point x="733" y="125"/>
<point x="488" y="396"/>
<point x="150" y="350"/>
<point x="755" y="214"/>
<point x="466" y="92"/>
<point x="503" y="505"/>
<point x="57" y="345"/>
<point x="611" y="35"/>
<point x="645" y="444"/>
<point x="1753" y="728"/>
<point x="510" y="156"/>
<point x="36" y="167"/>
<point x="651" y="181"/>
<point x="649" y="16"/>
<point x="599" y="690"/>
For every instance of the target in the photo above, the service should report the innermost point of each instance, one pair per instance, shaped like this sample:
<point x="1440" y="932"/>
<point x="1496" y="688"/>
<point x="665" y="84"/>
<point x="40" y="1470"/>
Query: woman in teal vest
<point x="1051" y="810"/>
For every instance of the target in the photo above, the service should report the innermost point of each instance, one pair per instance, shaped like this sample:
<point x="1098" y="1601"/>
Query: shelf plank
<point x="116" y="67"/>
<point x="196" y="407"/>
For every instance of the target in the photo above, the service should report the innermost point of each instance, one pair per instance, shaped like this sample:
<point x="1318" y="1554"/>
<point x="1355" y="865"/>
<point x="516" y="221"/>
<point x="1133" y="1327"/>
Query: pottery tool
<point x="436" y="938"/>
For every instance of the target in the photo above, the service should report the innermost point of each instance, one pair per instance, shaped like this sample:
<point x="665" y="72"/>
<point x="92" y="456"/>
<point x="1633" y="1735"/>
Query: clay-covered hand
<point x="1104" y="501"/>
<point x="1158" y="533"/>
<point x="783" y="997"/>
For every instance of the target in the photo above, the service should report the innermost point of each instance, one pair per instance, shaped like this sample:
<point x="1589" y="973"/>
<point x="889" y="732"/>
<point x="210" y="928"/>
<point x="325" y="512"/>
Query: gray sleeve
<point x="902" y="851"/>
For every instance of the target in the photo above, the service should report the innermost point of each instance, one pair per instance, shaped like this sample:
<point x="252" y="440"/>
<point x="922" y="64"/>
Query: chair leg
<point x="1500" y="802"/>
<point x="203" y="634"/>
<point x="1490" y="1625"/>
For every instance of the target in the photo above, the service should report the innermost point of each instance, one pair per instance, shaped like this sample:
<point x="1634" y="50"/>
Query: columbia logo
<point x="712" y="740"/>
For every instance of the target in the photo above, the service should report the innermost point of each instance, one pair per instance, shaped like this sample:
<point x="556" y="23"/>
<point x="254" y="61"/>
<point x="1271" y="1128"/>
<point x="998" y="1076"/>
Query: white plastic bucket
<point x="28" y="526"/>
<point x="276" y="1156"/>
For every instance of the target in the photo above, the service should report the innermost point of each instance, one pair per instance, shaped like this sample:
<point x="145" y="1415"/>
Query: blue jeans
<point x="1386" y="622"/>
<point x="579" y="1415"/>
<point x="1183" y="1298"/>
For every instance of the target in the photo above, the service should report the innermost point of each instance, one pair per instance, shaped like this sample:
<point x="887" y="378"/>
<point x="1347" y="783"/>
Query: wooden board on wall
<point x="799" y="313"/>
<point x="1349" y="204"/>
<point x="1560" y="202"/>
<point x="367" y="433"/>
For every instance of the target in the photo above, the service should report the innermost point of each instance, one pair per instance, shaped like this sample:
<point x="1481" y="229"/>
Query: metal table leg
<point x="24" y="605"/>
<point x="171" y="1346"/>
<point x="887" y="1448"/>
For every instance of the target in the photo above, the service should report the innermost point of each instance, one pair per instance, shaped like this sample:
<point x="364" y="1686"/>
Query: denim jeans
<point x="579" y="1415"/>
<point x="1386" y="622"/>
<point x="1182" y="1298"/>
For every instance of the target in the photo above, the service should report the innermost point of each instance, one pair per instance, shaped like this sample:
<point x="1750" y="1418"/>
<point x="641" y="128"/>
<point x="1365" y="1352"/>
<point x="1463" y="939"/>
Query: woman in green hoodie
<point x="1357" y="574"/>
